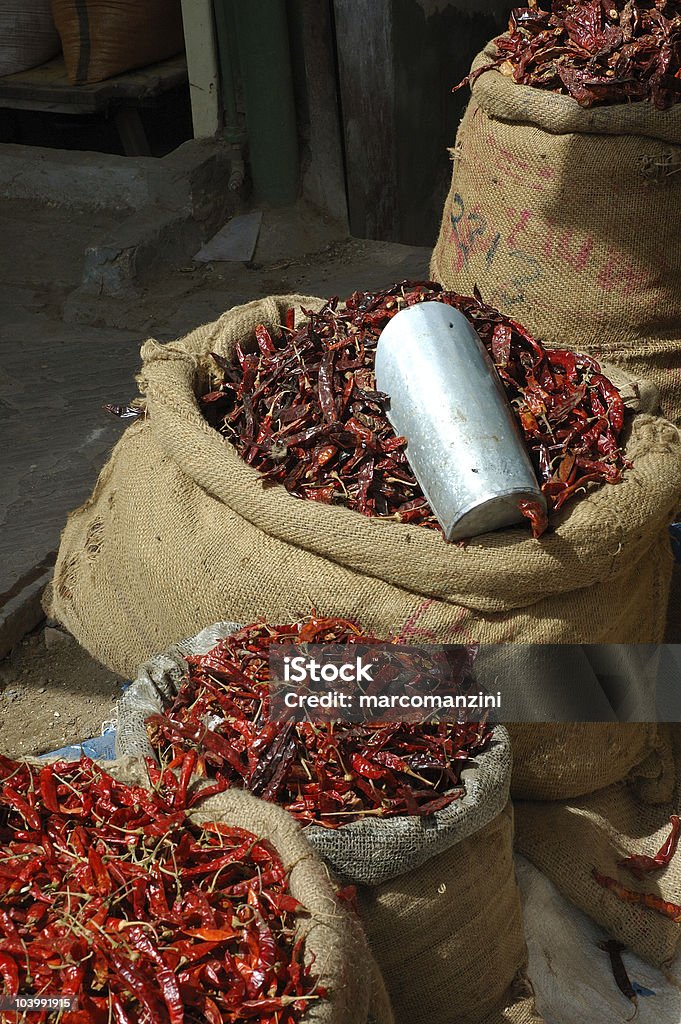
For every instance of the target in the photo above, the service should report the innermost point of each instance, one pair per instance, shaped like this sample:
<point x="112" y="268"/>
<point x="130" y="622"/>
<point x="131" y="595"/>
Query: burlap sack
<point x="568" y="220"/>
<point x="333" y="935"/>
<point x="572" y="682"/>
<point x="28" y="35"/>
<point x="102" y="38"/>
<point x="391" y="856"/>
<point x="180" y="532"/>
<point x="554" y="761"/>
<point x="519" y="1009"/>
<point x="373" y="852"/>
<point x="566" y="840"/>
<point x="448" y="937"/>
<point x="552" y="688"/>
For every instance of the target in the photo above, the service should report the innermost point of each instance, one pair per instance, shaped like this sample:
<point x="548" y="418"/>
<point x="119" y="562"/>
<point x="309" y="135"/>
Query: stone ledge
<point x="22" y="613"/>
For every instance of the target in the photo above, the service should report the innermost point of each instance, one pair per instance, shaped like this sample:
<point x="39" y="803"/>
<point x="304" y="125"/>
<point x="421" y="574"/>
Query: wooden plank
<point x="201" y="47"/>
<point x="48" y="88"/>
<point x="131" y="132"/>
<point x="235" y="242"/>
<point x="364" y="31"/>
<point x="324" y="175"/>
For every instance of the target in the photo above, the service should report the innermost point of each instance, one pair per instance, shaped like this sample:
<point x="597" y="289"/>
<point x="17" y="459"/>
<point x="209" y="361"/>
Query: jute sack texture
<point x="180" y="532"/>
<point x="568" y="220"/>
<point x="553" y="761"/>
<point x="102" y="38"/>
<point x="448" y="937"/>
<point x="567" y="839"/>
<point x="333" y="934"/>
<point x="443" y="954"/>
<point x="28" y="35"/>
<point x="547" y="684"/>
<point x="572" y="682"/>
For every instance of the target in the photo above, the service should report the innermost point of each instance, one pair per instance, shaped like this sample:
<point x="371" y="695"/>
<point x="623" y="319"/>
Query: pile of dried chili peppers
<point x="330" y="774"/>
<point x="109" y="896"/>
<point x="597" y="51"/>
<point x="303" y="409"/>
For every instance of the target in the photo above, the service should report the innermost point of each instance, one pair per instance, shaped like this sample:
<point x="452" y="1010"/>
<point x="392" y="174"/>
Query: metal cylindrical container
<point x="463" y="442"/>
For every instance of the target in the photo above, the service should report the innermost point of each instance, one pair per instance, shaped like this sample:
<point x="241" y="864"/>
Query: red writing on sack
<point x="527" y="241"/>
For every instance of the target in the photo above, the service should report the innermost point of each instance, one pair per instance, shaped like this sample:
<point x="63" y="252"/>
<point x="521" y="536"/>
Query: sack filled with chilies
<point x="565" y="198"/>
<point x="134" y="909"/>
<point x="415" y="816"/>
<point x="182" y="529"/>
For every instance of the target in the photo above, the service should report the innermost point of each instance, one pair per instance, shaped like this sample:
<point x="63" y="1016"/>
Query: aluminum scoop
<point x="463" y="442"/>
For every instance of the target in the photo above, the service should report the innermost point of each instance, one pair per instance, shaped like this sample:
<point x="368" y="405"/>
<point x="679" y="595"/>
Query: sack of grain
<point x="102" y="38"/>
<point x="566" y="840"/>
<point x="567" y="219"/>
<point x="180" y="531"/>
<point x="420" y="878"/>
<point x="28" y="35"/>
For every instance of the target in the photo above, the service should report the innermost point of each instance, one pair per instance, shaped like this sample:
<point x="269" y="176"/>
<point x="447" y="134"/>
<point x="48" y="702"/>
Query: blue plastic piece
<point x="100" y="748"/>
<point x="641" y="991"/>
<point x="675" y="533"/>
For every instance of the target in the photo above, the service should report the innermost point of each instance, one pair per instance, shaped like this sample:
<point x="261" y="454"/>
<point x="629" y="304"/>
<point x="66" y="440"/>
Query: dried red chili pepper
<point x="127" y="915"/>
<point x="305" y="413"/>
<point x="10" y="974"/>
<point x="656" y="903"/>
<point x="640" y="865"/>
<point x="597" y="52"/>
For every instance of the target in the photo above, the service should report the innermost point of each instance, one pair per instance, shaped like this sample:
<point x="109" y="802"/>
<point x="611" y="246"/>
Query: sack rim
<point x="506" y="100"/>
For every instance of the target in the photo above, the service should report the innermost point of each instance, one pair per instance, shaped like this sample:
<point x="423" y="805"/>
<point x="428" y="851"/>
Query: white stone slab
<point x="233" y="243"/>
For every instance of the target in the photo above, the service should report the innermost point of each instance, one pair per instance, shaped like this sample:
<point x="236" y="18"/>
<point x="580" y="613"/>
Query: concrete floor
<point x="55" y="376"/>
